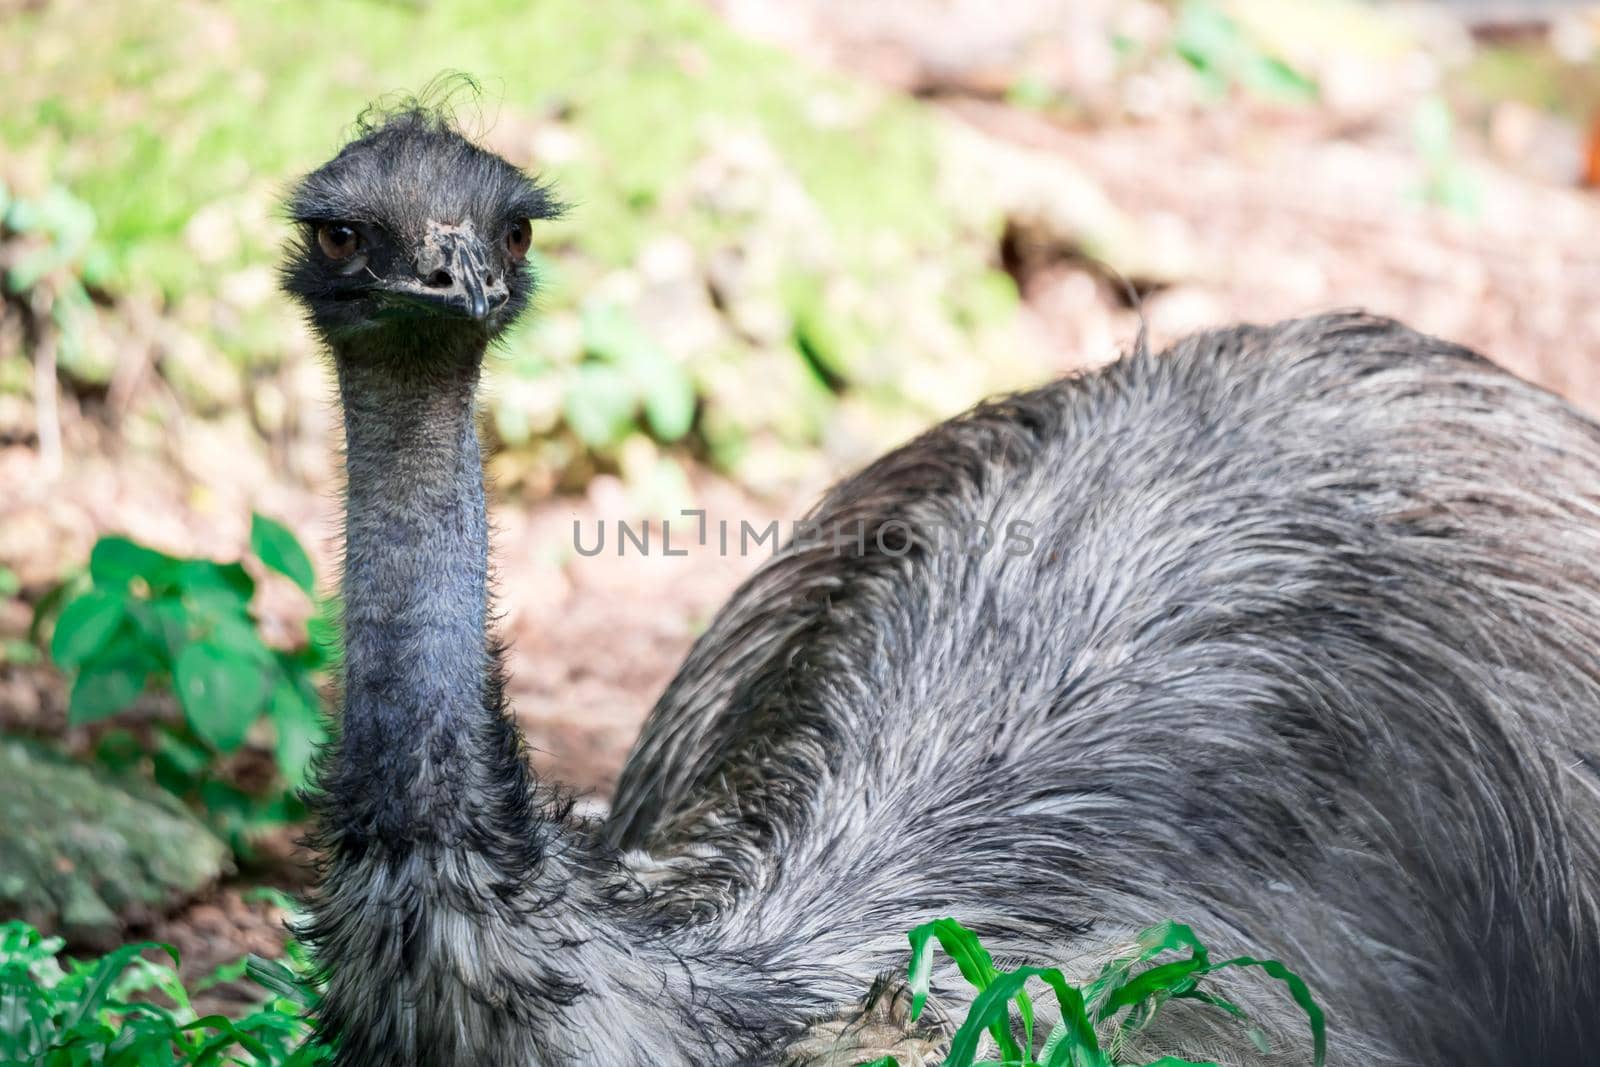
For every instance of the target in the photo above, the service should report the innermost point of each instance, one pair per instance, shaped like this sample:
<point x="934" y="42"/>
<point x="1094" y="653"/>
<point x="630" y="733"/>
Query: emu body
<point x="1302" y="650"/>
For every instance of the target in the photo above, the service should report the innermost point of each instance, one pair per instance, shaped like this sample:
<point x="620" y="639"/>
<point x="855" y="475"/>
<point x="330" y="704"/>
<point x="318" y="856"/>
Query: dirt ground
<point x="1276" y="213"/>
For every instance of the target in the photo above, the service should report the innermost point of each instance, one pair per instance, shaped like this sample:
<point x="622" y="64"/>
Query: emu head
<point x="413" y="234"/>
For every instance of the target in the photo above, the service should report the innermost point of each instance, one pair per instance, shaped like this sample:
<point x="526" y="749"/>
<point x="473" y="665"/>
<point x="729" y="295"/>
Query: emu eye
<point x="517" y="240"/>
<point x="338" y="240"/>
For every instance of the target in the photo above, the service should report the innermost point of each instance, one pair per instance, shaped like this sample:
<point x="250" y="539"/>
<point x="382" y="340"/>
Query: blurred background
<point x="801" y="230"/>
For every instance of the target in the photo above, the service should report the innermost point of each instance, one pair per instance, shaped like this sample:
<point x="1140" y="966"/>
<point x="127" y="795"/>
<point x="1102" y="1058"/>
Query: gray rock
<point x="82" y="854"/>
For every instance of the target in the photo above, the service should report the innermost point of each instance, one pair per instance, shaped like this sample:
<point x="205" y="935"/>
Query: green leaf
<point x="962" y="945"/>
<point x="276" y="547"/>
<point x="222" y="974"/>
<point x="599" y="405"/>
<point x="241" y="815"/>
<point x="1074" y="1042"/>
<point x="26" y="1014"/>
<point x="103" y="689"/>
<point x="227" y="1035"/>
<point x="118" y="749"/>
<point x="920" y="971"/>
<point x="615" y="337"/>
<point x="143" y="976"/>
<point x="179" y="760"/>
<point x="991" y="1009"/>
<point x="278" y="979"/>
<point x="1153" y="941"/>
<point x="115" y="561"/>
<point x="1274" y="79"/>
<point x="164" y="622"/>
<point x="22" y="944"/>
<point x="237" y="635"/>
<point x="223" y="586"/>
<point x="1222" y="53"/>
<point x="221" y="693"/>
<point x="148" y="1037"/>
<point x="669" y="402"/>
<point x="300" y="730"/>
<point x="50" y="604"/>
<point x="106" y="971"/>
<point x="627" y="367"/>
<point x="1169" y="977"/>
<point x="1206" y="38"/>
<point x="973" y="961"/>
<point x="85" y="626"/>
<point x="1031" y="93"/>
<point x="610" y="333"/>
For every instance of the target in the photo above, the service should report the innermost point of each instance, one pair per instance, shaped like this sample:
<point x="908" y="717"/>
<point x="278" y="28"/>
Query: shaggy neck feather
<point x="418" y="703"/>
<point x="460" y="921"/>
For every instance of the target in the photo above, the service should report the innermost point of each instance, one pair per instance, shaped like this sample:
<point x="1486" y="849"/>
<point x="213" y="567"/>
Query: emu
<point x="1295" y="637"/>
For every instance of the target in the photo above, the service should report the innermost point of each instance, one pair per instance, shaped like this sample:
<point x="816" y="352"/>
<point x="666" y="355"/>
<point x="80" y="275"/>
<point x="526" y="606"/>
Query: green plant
<point x="127" y="1010"/>
<point x="1120" y="1002"/>
<point x="49" y="261"/>
<point x="1447" y="181"/>
<point x="625" y="373"/>
<point x="1223" y="54"/>
<point x="139" y="619"/>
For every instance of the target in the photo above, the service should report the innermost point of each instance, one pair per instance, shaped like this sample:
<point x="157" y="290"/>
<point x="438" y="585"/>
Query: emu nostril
<point x="439" y="279"/>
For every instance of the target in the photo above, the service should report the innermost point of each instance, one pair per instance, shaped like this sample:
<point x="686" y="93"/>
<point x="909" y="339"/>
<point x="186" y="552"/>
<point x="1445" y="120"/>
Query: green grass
<point x="1099" y="1020"/>
<point x="181" y="125"/>
<point x="128" y="1010"/>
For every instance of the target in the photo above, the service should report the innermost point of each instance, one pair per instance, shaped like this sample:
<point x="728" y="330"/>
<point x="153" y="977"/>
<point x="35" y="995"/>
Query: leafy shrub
<point x="110" y="1011"/>
<point x="141" y="619"/>
<point x="1121" y="1000"/>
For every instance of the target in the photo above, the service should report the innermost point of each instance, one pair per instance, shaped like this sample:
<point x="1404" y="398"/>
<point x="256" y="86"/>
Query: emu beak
<point x="455" y="275"/>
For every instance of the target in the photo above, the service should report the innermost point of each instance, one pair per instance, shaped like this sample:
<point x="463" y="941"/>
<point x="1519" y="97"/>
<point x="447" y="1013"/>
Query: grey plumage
<point x="1296" y="642"/>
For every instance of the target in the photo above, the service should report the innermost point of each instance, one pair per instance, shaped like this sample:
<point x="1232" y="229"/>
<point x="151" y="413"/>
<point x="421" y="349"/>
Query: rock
<point x="1054" y="207"/>
<point x="83" y="855"/>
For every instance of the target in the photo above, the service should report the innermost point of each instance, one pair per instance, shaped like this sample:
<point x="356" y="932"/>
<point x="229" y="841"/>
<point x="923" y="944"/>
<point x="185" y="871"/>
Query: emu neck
<point x="418" y="667"/>
<point x="459" y="921"/>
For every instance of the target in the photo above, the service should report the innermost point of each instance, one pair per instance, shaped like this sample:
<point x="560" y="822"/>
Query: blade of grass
<point x="105" y="973"/>
<point x="994" y="1002"/>
<point x="976" y="966"/>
